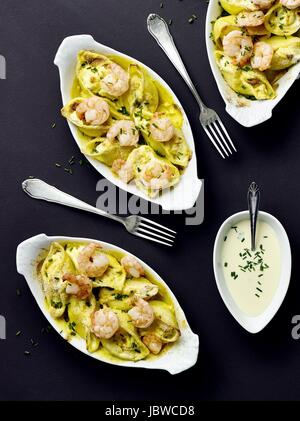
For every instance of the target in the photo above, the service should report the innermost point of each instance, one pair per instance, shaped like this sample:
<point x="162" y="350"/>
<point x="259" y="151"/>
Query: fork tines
<point x="155" y="232"/>
<point x="218" y="134"/>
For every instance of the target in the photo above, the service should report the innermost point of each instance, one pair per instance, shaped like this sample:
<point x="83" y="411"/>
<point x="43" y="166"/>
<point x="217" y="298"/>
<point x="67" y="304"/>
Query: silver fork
<point x="209" y="119"/>
<point x="136" y="225"/>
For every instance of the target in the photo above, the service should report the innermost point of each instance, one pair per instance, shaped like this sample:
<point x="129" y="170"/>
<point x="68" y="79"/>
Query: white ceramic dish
<point x="181" y="356"/>
<point x="185" y="193"/>
<point x="255" y="112"/>
<point x="257" y="323"/>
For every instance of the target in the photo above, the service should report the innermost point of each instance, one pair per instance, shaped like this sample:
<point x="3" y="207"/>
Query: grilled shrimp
<point x="95" y="111"/>
<point x="262" y="56"/>
<point x="290" y="4"/>
<point x="123" y="169"/>
<point x="156" y="176"/>
<point x="239" y="46"/>
<point x="250" y="18"/>
<point x="153" y="343"/>
<point x="125" y="131"/>
<point x="116" y="82"/>
<point x="78" y="285"/>
<point x="132" y="266"/>
<point x="91" y="262"/>
<point x="162" y="129"/>
<point x="262" y="4"/>
<point x="105" y="323"/>
<point x="141" y="314"/>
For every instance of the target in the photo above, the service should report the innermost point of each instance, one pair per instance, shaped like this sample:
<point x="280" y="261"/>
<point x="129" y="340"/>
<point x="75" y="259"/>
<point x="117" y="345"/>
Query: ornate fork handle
<point x="158" y="28"/>
<point x="38" y="189"/>
<point x="253" y="204"/>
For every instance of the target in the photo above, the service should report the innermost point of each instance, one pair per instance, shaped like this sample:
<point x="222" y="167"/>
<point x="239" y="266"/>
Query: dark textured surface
<point x="232" y="363"/>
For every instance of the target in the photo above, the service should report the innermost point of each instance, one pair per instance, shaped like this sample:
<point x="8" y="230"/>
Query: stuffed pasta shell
<point x="108" y="300"/>
<point x="255" y="43"/>
<point x="118" y="108"/>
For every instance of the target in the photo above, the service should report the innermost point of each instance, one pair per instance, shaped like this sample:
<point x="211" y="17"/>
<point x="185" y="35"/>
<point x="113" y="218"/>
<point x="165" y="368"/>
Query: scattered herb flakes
<point x="225" y="238"/>
<point x="123" y="110"/>
<point x="33" y="342"/>
<point x="56" y="304"/>
<point x="225" y="264"/>
<point x="192" y="18"/>
<point x="71" y="327"/>
<point x="120" y="297"/>
<point x="72" y="160"/>
<point x="68" y="170"/>
<point x="48" y="329"/>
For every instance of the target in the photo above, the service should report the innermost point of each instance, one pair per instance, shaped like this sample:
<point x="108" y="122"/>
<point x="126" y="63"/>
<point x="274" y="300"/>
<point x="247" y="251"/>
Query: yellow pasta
<point x="255" y="42"/>
<point x="108" y="300"/>
<point x="118" y="107"/>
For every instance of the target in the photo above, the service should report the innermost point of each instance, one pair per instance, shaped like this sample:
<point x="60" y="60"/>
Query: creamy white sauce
<point x="251" y="277"/>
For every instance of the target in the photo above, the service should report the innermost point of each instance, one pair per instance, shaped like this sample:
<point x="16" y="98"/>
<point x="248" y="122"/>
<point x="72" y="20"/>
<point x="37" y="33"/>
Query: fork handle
<point x="159" y="29"/>
<point x="38" y="189"/>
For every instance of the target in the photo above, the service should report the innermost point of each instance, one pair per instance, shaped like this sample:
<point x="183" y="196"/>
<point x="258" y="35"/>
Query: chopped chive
<point x="68" y="170"/>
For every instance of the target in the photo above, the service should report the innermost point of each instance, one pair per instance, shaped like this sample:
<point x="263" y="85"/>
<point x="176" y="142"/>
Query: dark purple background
<point x="233" y="364"/>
